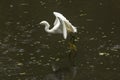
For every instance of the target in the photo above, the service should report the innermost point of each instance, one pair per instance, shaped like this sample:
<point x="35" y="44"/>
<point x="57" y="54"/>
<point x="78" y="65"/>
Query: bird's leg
<point x="72" y="49"/>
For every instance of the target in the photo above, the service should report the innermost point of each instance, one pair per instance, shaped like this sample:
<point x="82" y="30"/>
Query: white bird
<point x="61" y="25"/>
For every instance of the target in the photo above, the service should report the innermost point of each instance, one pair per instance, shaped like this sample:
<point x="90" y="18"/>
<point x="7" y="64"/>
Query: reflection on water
<point x="64" y="73"/>
<point x="27" y="52"/>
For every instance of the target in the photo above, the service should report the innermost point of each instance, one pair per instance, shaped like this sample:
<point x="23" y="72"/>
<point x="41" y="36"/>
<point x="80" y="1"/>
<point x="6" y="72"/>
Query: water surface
<point x="27" y="52"/>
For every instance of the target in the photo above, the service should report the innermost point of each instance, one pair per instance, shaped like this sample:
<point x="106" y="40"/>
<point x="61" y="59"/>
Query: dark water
<point x="27" y="52"/>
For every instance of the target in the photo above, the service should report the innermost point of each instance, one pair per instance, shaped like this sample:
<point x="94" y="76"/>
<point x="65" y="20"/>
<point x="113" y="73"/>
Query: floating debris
<point x="58" y="59"/>
<point x="11" y="6"/>
<point x="92" y="38"/>
<point x="45" y="46"/>
<point x="24" y="4"/>
<point x="100" y="3"/>
<point x="107" y="68"/>
<point x="5" y="52"/>
<point x="101" y="63"/>
<point x="104" y="54"/>
<point x="42" y="56"/>
<point x="38" y="50"/>
<point x="42" y="3"/>
<point x="22" y="73"/>
<point x="89" y="19"/>
<point x="47" y="64"/>
<point x="32" y="58"/>
<point x="8" y="23"/>
<point x="21" y="50"/>
<point x="83" y="14"/>
<point x="115" y="48"/>
<point x="39" y="63"/>
<point x="101" y="54"/>
<point x="104" y="36"/>
<point x="20" y="64"/>
<point x="52" y="58"/>
<point x="26" y="12"/>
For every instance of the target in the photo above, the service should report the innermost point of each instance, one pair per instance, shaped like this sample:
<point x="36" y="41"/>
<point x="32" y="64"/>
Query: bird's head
<point x="43" y="22"/>
<point x="46" y="24"/>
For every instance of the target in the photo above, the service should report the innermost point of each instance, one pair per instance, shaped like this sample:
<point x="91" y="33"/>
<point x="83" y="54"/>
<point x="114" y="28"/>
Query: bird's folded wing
<point x="64" y="31"/>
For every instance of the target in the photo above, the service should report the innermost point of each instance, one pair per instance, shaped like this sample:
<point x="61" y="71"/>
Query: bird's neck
<point x="47" y="26"/>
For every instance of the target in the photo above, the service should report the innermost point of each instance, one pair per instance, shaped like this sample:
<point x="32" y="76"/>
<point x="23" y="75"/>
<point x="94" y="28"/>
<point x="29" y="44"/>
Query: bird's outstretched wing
<point x="63" y="28"/>
<point x="56" y="21"/>
<point x="70" y="27"/>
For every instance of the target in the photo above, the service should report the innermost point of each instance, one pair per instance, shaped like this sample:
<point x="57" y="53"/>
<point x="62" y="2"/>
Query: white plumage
<point x="61" y="25"/>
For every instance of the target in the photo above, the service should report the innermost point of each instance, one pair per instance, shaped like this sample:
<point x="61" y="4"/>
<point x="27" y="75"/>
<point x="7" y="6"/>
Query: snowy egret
<point x="61" y="25"/>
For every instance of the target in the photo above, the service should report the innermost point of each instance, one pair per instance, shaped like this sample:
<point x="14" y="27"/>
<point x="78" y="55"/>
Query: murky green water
<point x="27" y="52"/>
